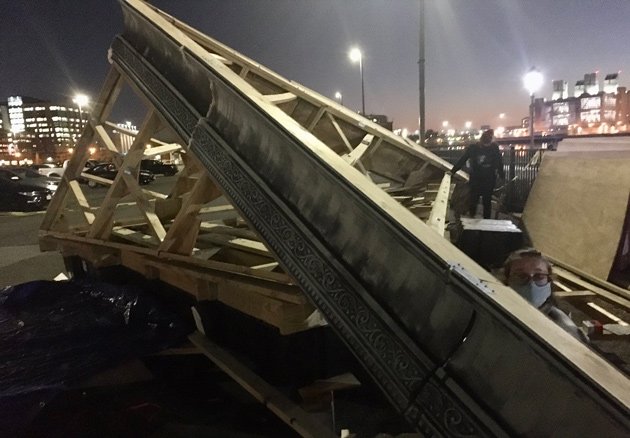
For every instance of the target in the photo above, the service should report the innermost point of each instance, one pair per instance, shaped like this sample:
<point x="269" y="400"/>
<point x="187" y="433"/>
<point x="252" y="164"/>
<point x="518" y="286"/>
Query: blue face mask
<point x="533" y="293"/>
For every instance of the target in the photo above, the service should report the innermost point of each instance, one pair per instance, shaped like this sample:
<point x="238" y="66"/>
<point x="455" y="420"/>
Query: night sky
<point x="476" y="50"/>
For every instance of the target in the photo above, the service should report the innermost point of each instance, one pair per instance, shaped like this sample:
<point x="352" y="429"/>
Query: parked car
<point x="48" y="169"/>
<point x="29" y="177"/>
<point x="19" y="196"/>
<point x="109" y="171"/>
<point x="158" y="167"/>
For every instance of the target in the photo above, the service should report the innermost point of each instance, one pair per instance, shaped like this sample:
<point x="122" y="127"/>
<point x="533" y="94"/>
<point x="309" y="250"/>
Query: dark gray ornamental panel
<point x="443" y="352"/>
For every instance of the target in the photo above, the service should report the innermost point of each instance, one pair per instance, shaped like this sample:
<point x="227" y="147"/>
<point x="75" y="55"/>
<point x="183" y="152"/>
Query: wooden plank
<point x="102" y="225"/>
<point x="61" y="239"/>
<point x="106" y="140"/>
<point x="159" y="150"/>
<point x="573" y="293"/>
<point x="124" y="183"/>
<point x="561" y="285"/>
<point x="267" y="266"/>
<point x="274" y="400"/>
<point x="221" y="59"/>
<point x="83" y="202"/>
<point x="437" y="218"/>
<point x="594" y="280"/>
<point x="182" y="235"/>
<point x="316" y="118"/>
<point x="245" y="233"/>
<point x="280" y="98"/>
<point x="248" y="245"/>
<point x="102" y="108"/>
<point x="343" y="137"/>
<point x="136" y="237"/>
<point x="610" y="296"/>
<point x="578" y="216"/>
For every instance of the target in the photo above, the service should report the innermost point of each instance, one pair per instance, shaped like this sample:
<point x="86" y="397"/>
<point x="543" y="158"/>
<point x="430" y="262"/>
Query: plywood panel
<point x="576" y="208"/>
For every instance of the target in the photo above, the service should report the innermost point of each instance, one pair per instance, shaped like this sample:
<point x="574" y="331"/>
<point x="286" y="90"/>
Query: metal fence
<point x="521" y="168"/>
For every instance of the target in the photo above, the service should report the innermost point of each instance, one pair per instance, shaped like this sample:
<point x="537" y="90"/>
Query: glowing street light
<point x="81" y="100"/>
<point x="532" y="81"/>
<point x="468" y="125"/>
<point x="356" y="56"/>
<point x="339" y="97"/>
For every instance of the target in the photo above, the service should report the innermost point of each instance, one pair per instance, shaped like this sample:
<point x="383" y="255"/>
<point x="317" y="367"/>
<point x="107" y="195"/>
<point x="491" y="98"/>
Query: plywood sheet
<point x="576" y="209"/>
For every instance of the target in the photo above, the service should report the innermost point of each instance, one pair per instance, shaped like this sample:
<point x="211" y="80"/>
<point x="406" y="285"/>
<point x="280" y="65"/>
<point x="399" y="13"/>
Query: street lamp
<point x="532" y="81"/>
<point x="339" y="97"/>
<point x="81" y="100"/>
<point x="356" y="56"/>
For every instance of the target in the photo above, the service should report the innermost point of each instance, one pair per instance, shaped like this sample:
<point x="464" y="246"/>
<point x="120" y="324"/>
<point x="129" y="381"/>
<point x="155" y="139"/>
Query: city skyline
<point x="476" y="51"/>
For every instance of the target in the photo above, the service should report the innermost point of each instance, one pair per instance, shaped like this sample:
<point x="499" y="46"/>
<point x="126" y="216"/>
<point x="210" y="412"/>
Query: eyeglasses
<point x="538" y="278"/>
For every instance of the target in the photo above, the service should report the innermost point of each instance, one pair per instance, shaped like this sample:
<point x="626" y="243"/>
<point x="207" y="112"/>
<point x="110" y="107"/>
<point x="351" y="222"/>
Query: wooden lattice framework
<point x="181" y="239"/>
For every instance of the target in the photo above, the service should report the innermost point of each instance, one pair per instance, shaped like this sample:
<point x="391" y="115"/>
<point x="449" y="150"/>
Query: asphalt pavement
<point x="20" y="257"/>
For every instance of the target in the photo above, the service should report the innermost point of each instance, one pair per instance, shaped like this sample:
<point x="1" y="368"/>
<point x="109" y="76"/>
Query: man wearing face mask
<point x="529" y="274"/>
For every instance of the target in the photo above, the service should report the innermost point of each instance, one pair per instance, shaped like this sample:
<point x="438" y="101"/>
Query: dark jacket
<point x="485" y="162"/>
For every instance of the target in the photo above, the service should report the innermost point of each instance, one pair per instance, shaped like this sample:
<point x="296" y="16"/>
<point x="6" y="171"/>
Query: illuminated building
<point x="611" y="83"/>
<point x="591" y="85"/>
<point x="579" y="88"/>
<point x="125" y="136"/>
<point x="40" y="126"/>
<point x="560" y="90"/>
<point x="591" y="109"/>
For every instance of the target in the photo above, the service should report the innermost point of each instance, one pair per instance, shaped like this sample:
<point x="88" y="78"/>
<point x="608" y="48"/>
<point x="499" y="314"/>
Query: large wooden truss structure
<point x="323" y="224"/>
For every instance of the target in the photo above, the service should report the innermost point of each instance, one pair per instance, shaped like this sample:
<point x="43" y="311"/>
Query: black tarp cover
<point x="54" y="333"/>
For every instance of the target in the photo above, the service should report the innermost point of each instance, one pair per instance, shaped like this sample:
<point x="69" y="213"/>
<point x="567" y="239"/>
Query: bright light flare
<point x="355" y="54"/>
<point x="81" y="100"/>
<point x="533" y="80"/>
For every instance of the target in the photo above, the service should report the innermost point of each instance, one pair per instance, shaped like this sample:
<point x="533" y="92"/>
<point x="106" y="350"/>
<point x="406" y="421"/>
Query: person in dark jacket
<point x="485" y="165"/>
<point x="528" y="272"/>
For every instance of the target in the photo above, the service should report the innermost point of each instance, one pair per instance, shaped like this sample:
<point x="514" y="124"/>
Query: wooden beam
<point x="125" y="183"/>
<point x="247" y="245"/>
<point x="437" y="218"/>
<point x="221" y="59"/>
<point x="182" y="235"/>
<point x="109" y="94"/>
<point x="163" y="149"/>
<point x="610" y="296"/>
<point x="280" y="98"/>
<point x="316" y="118"/>
<point x="594" y="280"/>
<point x="343" y="137"/>
<point x="82" y="200"/>
<point x="273" y="399"/>
<point x="106" y="140"/>
<point x="137" y="237"/>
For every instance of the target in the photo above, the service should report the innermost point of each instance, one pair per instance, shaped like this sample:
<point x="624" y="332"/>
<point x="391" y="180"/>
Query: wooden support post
<point x="266" y="394"/>
<point x="437" y="218"/>
<point x="102" y="108"/>
<point x="182" y="235"/>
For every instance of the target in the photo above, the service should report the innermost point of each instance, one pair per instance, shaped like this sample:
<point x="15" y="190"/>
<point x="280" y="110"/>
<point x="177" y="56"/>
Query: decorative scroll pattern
<point x="160" y="94"/>
<point x="341" y="305"/>
<point x="392" y="365"/>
